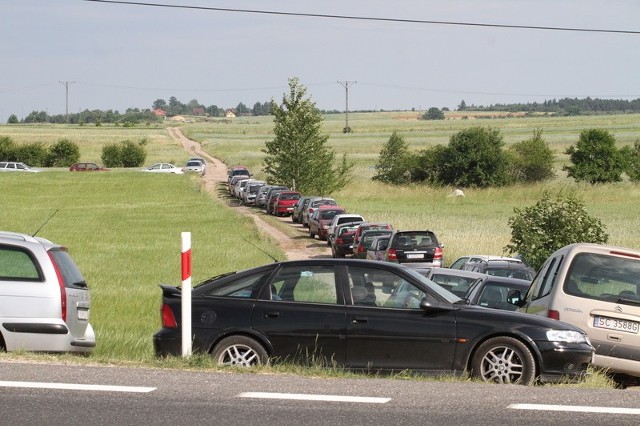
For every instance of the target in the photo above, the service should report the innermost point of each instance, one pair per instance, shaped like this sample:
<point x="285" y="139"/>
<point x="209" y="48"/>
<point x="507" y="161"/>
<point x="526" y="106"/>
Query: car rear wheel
<point x="504" y="360"/>
<point x="239" y="351"/>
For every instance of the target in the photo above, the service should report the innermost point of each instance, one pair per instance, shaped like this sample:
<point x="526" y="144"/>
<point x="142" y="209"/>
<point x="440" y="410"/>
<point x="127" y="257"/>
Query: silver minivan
<point x="44" y="299"/>
<point x="597" y="288"/>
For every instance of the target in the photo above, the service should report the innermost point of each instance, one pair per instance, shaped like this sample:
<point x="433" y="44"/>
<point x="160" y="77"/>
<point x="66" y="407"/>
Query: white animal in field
<point x="457" y="193"/>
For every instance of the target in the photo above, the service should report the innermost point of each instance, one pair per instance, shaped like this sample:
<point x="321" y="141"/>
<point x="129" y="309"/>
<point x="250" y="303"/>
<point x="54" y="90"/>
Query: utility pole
<point x="346" y="84"/>
<point x="66" y="87"/>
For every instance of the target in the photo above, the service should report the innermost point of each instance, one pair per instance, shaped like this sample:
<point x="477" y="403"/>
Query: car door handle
<point x="359" y="320"/>
<point x="272" y="314"/>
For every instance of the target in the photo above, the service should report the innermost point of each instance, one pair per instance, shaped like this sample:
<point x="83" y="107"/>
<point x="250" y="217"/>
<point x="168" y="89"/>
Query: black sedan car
<point x="373" y="316"/>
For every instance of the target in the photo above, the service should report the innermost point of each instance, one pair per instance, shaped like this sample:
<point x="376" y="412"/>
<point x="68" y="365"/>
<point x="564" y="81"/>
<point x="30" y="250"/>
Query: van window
<point x="550" y="276"/>
<point x="606" y="278"/>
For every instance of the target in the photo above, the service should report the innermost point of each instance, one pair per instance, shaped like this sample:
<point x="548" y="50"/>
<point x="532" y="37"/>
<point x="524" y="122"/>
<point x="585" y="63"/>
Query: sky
<point x="78" y="55"/>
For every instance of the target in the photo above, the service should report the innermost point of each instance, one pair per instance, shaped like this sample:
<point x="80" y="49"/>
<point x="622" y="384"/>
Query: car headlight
<point x="568" y="336"/>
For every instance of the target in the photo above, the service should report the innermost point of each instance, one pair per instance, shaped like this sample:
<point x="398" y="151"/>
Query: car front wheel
<point x="504" y="360"/>
<point x="239" y="351"/>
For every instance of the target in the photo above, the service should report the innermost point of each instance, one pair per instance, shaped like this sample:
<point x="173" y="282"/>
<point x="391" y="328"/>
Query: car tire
<point x="241" y="351"/>
<point x="504" y="360"/>
<point x="311" y="234"/>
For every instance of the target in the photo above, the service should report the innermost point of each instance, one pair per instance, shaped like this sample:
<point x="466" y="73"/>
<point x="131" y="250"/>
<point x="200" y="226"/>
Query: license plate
<point x="83" y="314"/>
<point x="290" y="209"/>
<point x="415" y="256"/>
<point x="616" y="324"/>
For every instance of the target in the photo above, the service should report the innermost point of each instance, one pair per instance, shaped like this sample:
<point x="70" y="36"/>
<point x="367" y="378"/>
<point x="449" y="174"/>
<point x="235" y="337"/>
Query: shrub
<point x="632" y="161"/>
<point x="35" y="154"/>
<point x="433" y="113"/>
<point x="7" y="149"/>
<point x="595" y="158"/>
<point x="549" y="225"/>
<point x="531" y="160"/>
<point x="474" y="158"/>
<point x="124" y="154"/>
<point x="63" y="154"/>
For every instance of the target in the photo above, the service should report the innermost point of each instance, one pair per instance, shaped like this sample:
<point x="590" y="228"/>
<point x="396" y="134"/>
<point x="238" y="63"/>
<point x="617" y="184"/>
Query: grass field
<point x="123" y="228"/>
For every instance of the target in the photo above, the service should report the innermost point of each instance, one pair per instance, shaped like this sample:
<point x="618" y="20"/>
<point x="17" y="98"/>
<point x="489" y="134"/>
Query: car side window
<point x="18" y="265"/>
<point x="245" y="287"/>
<point x="543" y="283"/>
<point x="306" y="283"/>
<point x="375" y="287"/>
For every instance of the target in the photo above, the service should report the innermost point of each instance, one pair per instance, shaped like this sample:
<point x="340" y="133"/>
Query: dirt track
<point x="298" y="247"/>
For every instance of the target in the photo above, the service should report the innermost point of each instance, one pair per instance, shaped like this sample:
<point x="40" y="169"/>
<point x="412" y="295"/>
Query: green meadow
<point x="123" y="228"/>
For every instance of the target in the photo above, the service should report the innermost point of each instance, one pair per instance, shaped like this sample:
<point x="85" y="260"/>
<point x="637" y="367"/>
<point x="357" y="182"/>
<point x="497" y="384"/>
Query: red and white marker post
<point x="186" y="294"/>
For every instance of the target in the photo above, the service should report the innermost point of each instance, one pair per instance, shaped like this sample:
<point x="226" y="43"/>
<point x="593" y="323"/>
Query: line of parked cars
<point x="491" y="316"/>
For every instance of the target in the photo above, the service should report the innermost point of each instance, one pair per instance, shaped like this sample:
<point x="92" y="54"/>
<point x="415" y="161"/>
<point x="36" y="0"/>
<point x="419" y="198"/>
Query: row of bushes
<point x="64" y="153"/>
<point x="476" y="157"/>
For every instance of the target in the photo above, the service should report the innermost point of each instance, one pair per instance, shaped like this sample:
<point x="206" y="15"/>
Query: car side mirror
<point x="434" y="306"/>
<point x="514" y="297"/>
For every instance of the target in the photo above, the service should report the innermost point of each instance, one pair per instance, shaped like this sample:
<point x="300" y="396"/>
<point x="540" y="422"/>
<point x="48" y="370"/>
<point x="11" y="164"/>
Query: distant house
<point x="230" y="113"/>
<point x="198" y="111"/>
<point x="159" y="112"/>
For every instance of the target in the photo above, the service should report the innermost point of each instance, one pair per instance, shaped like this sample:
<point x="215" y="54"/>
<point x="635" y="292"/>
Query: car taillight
<point x="63" y="288"/>
<point x="360" y="248"/>
<point x="554" y="315"/>
<point x="392" y="255"/>
<point x="437" y="255"/>
<point x="168" y="319"/>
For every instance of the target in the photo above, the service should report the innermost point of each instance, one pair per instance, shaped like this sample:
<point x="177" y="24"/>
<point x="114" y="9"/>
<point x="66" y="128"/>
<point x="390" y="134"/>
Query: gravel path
<point x="300" y="246"/>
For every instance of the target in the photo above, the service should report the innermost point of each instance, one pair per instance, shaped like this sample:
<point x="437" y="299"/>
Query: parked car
<point x="233" y="181"/>
<point x="501" y="268"/>
<point x="44" y="299"/>
<point x="163" y="168"/>
<point x="14" y="166"/>
<point x="461" y="261"/>
<point x="456" y="281"/>
<point x="296" y="213"/>
<point x="370" y="225"/>
<point x="87" y="167"/>
<point x="283" y="205"/>
<point x="262" y="194"/>
<point x="239" y="187"/>
<point x="313" y="205"/>
<point x="366" y="238"/>
<point x="342" y="243"/>
<point x="321" y="218"/>
<point x="415" y="247"/>
<point x="237" y="171"/>
<point x="341" y="218"/>
<point x="250" y="193"/>
<point x="272" y="196"/>
<point x="378" y="247"/>
<point x="195" y="166"/>
<point x="597" y="288"/>
<point x="493" y="291"/>
<point x="374" y="316"/>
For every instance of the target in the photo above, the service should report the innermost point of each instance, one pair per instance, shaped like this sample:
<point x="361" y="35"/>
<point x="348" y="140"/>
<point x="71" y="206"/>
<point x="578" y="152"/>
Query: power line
<point x="365" y="18"/>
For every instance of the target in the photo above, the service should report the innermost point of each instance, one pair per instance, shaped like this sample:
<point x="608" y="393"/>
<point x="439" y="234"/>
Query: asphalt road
<point x="39" y="394"/>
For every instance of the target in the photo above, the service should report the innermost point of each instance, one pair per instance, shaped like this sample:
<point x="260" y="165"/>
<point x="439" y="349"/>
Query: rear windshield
<point x="317" y="203"/>
<point x="417" y="239"/>
<point x="69" y="271"/>
<point x="602" y="277"/>
<point x="290" y="196"/>
<point x="329" y="214"/>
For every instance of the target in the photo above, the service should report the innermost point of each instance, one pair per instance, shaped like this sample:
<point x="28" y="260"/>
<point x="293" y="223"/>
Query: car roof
<point x="456" y="273"/>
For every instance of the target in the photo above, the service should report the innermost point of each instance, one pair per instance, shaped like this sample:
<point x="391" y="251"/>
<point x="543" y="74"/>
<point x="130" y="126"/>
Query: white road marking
<point x="311" y="397"/>
<point x="76" y="386"/>
<point x="575" y="408"/>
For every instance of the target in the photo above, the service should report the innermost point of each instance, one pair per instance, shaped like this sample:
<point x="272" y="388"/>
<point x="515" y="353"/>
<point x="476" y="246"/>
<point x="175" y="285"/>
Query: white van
<point x="596" y="288"/>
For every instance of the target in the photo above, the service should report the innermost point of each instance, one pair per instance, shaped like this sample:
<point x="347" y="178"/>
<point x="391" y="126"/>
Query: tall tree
<point x="393" y="164"/>
<point x="299" y="154"/>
